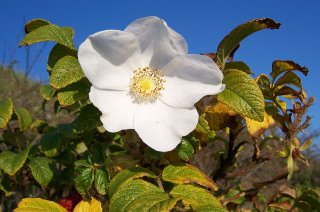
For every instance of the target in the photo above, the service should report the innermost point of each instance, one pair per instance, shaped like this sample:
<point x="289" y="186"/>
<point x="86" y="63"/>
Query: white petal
<point x="109" y="57"/>
<point x="188" y="79"/>
<point x="159" y="43"/>
<point x="116" y="106"/>
<point x="161" y="126"/>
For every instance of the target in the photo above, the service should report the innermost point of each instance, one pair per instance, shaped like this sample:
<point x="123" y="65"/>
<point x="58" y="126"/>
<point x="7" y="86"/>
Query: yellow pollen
<point x="146" y="84"/>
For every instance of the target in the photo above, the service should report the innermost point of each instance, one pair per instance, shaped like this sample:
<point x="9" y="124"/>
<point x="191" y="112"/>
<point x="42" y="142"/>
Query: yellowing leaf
<point x="185" y="173"/>
<point x="85" y="206"/>
<point x="256" y="128"/>
<point x="38" y="205"/>
<point x="219" y="116"/>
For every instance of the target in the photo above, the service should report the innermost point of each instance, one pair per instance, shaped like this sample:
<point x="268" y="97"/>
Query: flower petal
<point x="188" y="79"/>
<point x="159" y="43"/>
<point x="116" y="106"/>
<point x="161" y="126"/>
<point x="108" y="58"/>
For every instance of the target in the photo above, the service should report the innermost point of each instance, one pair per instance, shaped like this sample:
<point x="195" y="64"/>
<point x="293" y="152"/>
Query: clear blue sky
<point x="202" y="23"/>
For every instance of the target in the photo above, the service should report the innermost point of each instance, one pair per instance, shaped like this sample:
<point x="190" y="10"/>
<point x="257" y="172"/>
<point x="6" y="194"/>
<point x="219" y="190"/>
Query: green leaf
<point x="101" y="181"/>
<point x="46" y="92"/>
<point x="6" y="110"/>
<point x="41" y="171"/>
<point x="310" y="197"/>
<point x="24" y="118"/>
<point x="185" y="173"/>
<point x="280" y="66"/>
<point x="139" y="195"/>
<point x="289" y="78"/>
<point x="84" y="181"/>
<point x="88" y="119"/>
<point x="306" y="145"/>
<point x="203" y="127"/>
<point x="58" y="52"/>
<point x="185" y="150"/>
<point x="128" y="175"/>
<point x="243" y="95"/>
<point x="35" y="24"/>
<point x="11" y="162"/>
<point x="71" y="94"/>
<point x="65" y="72"/>
<point x="198" y="198"/>
<point x="50" y="32"/>
<point x="238" y="65"/>
<point x="286" y="90"/>
<point x="38" y="205"/>
<point x="50" y="143"/>
<point x="232" y="40"/>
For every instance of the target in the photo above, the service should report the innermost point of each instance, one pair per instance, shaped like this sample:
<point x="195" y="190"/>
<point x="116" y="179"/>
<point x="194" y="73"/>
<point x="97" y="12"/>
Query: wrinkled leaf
<point x="232" y="40"/>
<point x="11" y="162"/>
<point x="84" y="181"/>
<point x="185" y="173"/>
<point x="101" y="181"/>
<point x="243" y="95"/>
<point x="289" y="78"/>
<point x="50" y="32"/>
<point x="139" y="195"/>
<point x="128" y="175"/>
<point x="6" y="110"/>
<point x="280" y="66"/>
<point x="24" y="118"/>
<point x="85" y="206"/>
<point x="238" y="65"/>
<point x="71" y="94"/>
<point x="58" y="52"/>
<point x="185" y="150"/>
<point x="281" y="205"/>
<point x="88" y="119"/>
<point x="65" y="72"/>
<point x="198" y="198"/>
<point x="41" y="171"/>
<point x="38" y="205"/>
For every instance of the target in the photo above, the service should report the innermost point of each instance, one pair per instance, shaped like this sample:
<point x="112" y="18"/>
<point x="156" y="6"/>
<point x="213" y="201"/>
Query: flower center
<point x="146" y="84"/>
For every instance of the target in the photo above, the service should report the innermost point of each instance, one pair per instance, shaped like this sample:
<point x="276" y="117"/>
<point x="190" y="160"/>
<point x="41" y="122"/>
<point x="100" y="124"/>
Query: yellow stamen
<point x="146" y="84"/>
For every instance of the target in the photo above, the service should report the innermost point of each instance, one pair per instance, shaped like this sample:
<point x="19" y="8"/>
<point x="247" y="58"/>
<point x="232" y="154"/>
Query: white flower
<point x="144" y="79"/>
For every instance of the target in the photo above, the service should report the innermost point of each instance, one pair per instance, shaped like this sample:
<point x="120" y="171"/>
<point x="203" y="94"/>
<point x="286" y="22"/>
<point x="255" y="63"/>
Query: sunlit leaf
<point x="85" y="206"/>
<point x="306" y="145"/>
<point x="41" y="171"/>
<point x="256" y="128"/>
<point x="11" y="162"/>
<point x="185" y="173"/>
<point x="289" y="78"/>
<point x="50" y="32"/>
<point x="38" y="205"/>
<point x="6" y="110"/>
<point x="197" y="198"/>
<point x="65" y="72"/>
<point x="232" y="40"/>
<point x="280" y="66"/>
<point x="35" y="24"/>
<point x="142" y="196"/>
<point x="128" y="175"/>
<point x="219" y="116"/>
<point x="243" y="95"/>
<point x="238" y="65"/>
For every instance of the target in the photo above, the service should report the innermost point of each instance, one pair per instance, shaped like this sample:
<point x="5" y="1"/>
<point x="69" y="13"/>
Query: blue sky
<point x="203" y="23"/>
